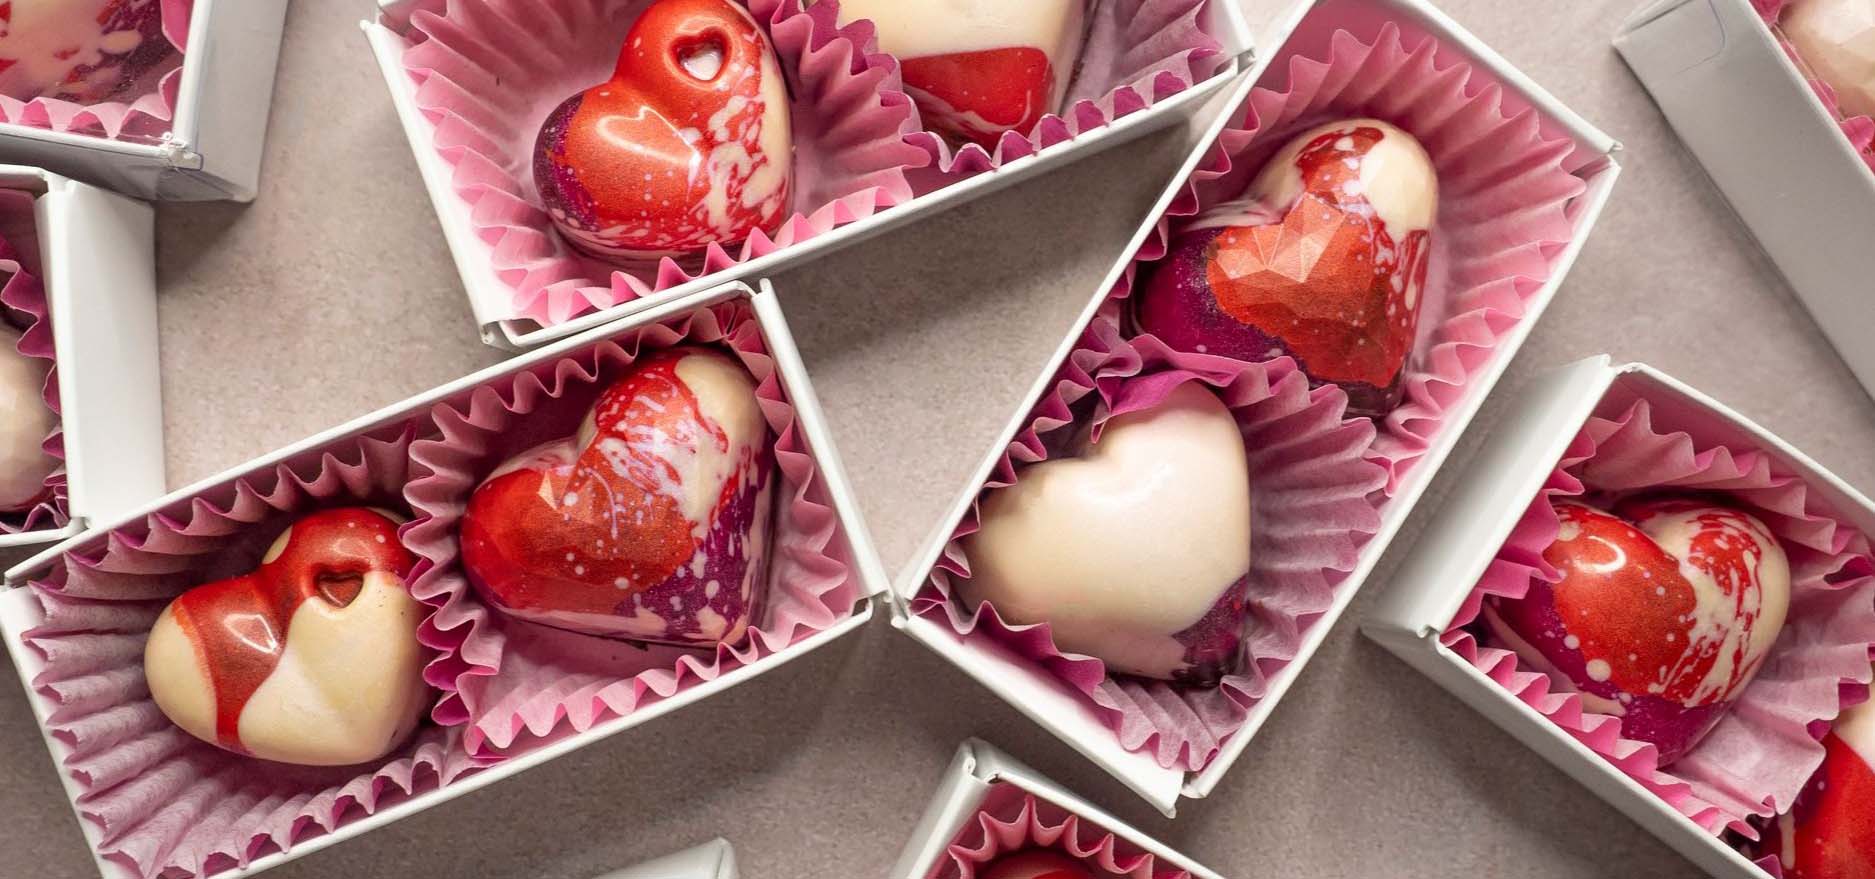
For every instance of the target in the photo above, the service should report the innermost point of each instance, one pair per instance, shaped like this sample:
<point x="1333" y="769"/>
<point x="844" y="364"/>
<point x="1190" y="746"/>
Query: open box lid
<point x="492" y="300"/>
<point x="1481" y="512"/>
<point x="1054" y="706"/>
<point x="98" y="267"/>
<point x="979" y="765"/>
<point x="391" y="418"/>
<point x="715" y="859"/>
<point x="212" y="149"/>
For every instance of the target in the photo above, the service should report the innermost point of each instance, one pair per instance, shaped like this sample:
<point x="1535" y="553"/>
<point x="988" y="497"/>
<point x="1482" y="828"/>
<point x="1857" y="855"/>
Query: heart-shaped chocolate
<point x="1829" y="833"/>
<point x="1324" y="260"/>
<point x="312" y="659"/>
<point x="78" y="50"/>
<point x="651" y="525"/>
<point x="1136" y="551"/>
<point x="687" y="145"/>
<point x="1662" y="616"/>
<point x="25" y="422"/>
<point x="978" y="68"/>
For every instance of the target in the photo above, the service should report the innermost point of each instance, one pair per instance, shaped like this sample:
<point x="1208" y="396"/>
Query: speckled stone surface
<point x="332" y="295"/>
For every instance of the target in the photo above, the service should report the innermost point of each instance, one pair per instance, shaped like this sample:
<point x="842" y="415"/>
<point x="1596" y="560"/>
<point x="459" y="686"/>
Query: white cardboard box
<point x="1790" y="175"/>
<point x="212" y="150"/>
<point x="492" y="300"/>
<point x="715" y="859"/>
<point x="1048" y="702"/>
<point x="19" y="611"/>
<point x="1465" y="535"/>
<point x="980" y="767"/>
<point x="97" y="253"/>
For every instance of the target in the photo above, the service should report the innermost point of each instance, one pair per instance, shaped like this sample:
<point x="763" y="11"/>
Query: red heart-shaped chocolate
<point x="652" y="525"/>
<point x="687" y="145"/>
<point x="1660" y="618"/>
<point x="1324" y="261"/>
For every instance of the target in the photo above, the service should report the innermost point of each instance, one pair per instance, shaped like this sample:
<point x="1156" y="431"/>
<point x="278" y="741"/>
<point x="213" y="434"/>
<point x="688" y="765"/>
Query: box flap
<point x="1052" y="705"/>
<point x="951" y="806"/>
<point x="1487" y="502"/>
<point x="715" y="859"/>
<point x="993" y="765"/>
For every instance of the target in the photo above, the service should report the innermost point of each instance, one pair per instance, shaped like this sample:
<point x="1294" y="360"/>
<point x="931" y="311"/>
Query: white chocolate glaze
<point x="25" y="422"/>
<point x="1836" y="38"/>
<point x="1397" y="179"/>
<point x="1715" y="613"/>
<point x="1127" y="545"/>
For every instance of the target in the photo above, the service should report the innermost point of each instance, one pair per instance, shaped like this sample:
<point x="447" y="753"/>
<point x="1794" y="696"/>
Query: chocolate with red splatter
<point x="1324" y="260"/>
<point x="651" y="525"/>
<point x="79" y="50"/>
<point x="1661" y="614"/>
<point x="687" y="145"/>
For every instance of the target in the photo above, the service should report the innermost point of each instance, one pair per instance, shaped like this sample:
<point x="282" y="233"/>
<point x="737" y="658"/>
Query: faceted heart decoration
<point x="1037" y="865"/>
<point x="1136" y="551"/>
<point x="979" y="68"/>
<point x="78" y="50"/>
<point x="651" y="525"/>
<point x="687" y="145"/>
<point x="311" y="659"/>
<point x="1662" y="616"/>
<point x="1324" y="260"/>
<point x="1836" y="40"/>
<point x="1830" y="832"/>
<point x="25" y="422"/>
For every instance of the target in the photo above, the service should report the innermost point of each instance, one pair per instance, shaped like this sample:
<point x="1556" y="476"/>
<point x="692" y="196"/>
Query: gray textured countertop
<point x="332" y="295"/>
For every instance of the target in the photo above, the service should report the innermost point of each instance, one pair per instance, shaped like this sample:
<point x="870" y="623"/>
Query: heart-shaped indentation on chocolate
<point x="979" y="68"/>
<point x="1325" y="261"/>
<point x="687" y="145"/>
<point x="651" y="525"/>
<point x="1137" y="551"/>
<point x="1661" y="617"/>
<point x="311" y="659"/>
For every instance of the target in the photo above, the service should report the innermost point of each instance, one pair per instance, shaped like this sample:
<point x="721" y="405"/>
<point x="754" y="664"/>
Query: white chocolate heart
<point x="1836" y="38"/>
<point x="1129" y="544"/>
<point x="1397" y="178"/>
<point x="25" y="422"/>
<point x="923" y="28"/>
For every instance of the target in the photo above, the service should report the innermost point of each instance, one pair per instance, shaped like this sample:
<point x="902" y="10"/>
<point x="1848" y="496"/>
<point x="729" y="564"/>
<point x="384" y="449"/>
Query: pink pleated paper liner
<point x="516" y="684"/>
<point x="1509" y="201"/>
<point x="1859" y="129"/>
<point x="24" y="300"/>
<point x="1138" y="53"/>
<point x="487" y="72"/>
<point x="145" y="117"/>
<point x="1310" y="486"/>
<point x="1758" y="758"/>
<point x="1012" y="820"/>
<point x="166" y="803"/>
